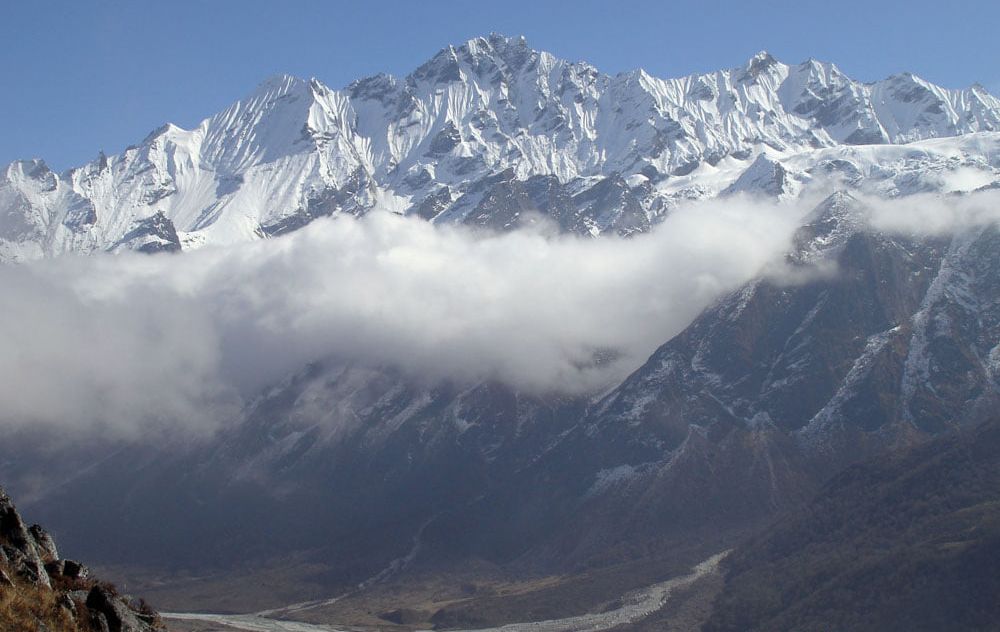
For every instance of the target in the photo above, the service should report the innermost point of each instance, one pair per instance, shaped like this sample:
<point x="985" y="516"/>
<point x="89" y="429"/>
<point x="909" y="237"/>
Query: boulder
<point x="65" y="601"/>
<point x="74" y="569"/>
<point x="19" y="545"/>
<point x="99" y="622"/>
<point x="119" y="617"/>
<point x="69" y="569"/>
<point x="55" y="569"/>
<point x="44" y="543"/>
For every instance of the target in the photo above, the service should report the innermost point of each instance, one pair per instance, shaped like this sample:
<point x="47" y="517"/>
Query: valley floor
<point x="631" y="608"/>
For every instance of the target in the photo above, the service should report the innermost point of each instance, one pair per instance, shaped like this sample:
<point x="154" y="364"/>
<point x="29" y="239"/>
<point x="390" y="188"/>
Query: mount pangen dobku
<point x="475" y="503"/>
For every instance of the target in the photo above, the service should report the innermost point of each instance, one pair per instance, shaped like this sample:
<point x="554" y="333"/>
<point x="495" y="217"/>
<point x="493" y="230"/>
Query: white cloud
<point x="934" y="214"/>
<point x="131" y="343"/>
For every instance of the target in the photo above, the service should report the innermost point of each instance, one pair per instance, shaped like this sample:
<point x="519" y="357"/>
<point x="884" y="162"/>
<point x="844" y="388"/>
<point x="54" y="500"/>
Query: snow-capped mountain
<point x="481" y="133"/>
<point x="762" y="397"/>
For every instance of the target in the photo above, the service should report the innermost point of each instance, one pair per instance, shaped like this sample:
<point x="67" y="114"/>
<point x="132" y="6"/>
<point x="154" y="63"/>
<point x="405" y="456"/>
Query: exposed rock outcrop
<point x="40" y="591"/>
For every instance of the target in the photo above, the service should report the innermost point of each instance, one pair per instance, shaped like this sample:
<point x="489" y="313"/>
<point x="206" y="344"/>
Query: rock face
<point x="25" y="550"/>
<point x="151" y="235"/>
<point x="31" y="571"/>
<point x="109" y="609"/>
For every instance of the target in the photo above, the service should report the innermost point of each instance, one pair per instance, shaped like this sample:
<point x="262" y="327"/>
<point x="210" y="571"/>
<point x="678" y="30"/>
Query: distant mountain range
<point x="480" y="134"/>
<point x="746" y="414"/>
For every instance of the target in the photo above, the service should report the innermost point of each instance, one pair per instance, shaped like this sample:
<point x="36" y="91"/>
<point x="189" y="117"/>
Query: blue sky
<point x="83" y="76"/>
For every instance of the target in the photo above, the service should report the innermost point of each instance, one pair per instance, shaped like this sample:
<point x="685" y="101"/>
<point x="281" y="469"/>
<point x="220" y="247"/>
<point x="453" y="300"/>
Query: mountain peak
<point x="760" y="63"/>
<point x="905" y="77"/>
<point x="979" y="88"/>
<point x="282" y="86"/>
<point x="373" y="87"/>
<point x="820" y="66"/>
<point x="493" y="49"/>
<point x="495" y="42"/>
<point x="762" y="56"/>
<point x="443" y="66"/>
<point x="498" y="49"/>
<point x="279" y="83"/>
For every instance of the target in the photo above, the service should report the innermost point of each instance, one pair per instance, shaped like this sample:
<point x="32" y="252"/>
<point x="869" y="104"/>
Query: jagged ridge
<point x="473" y="128"/>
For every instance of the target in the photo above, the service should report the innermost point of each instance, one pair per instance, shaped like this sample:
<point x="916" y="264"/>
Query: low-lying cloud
<point x="932" y="214"/>
<point x="131" y="343"/>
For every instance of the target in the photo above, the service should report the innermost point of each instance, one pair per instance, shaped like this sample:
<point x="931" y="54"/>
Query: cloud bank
<point x="131" y="343"/>
<point x="932" y="214"/>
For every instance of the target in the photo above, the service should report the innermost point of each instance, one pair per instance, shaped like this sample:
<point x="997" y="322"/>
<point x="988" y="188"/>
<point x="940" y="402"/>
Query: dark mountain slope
<point x="765" y="396"/>
<point x="908" y="541"/>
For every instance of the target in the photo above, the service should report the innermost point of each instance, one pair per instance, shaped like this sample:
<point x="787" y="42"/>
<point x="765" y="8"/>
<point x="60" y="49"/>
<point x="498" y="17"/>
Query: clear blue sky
<point x="80" y="76"/>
